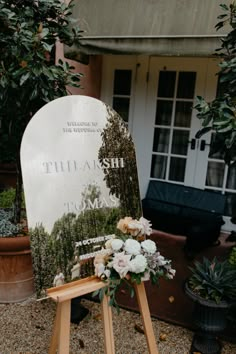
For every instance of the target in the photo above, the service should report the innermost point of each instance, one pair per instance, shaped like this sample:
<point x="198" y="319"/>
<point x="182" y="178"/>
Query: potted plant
<point x="16" y="275"/>
<point x="29" y="78"/>
<point x="212" y="286"/>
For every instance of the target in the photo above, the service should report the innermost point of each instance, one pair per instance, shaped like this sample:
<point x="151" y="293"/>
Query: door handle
<point x="192" y="143"/>
<point x="203" y="144"/>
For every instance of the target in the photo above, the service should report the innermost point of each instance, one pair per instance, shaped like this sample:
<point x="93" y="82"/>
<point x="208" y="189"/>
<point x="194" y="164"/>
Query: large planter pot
<point x="16" y="272"/>
<point x="210" y="318"/>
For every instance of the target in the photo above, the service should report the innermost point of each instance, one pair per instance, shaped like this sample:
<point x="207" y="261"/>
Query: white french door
<point x="156" y="96"/>
<point x="177" y="156"/>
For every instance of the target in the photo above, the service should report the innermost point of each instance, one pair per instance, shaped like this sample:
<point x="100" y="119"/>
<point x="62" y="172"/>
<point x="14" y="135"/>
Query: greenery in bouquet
<point x="130" y="258"/>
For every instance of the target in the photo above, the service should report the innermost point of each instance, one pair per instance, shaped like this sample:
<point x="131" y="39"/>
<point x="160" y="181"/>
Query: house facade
<point x="149" y="59"/>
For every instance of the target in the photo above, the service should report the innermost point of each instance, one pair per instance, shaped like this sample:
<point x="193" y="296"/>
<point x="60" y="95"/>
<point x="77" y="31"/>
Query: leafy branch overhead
<point x="29" y="75"/>
<point x="219" y="115"/>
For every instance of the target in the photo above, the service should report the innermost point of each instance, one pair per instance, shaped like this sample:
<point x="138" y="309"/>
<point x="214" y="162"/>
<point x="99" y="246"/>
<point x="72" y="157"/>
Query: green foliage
<point x="7" y="198"/>
<point x="213" y="280"/>
<point x="232" y="257"/>
<point x="29" y="76"/>
<point x="113" y="288"/>
<point x="56" y="250"/>
<point x="116" y="141"/>
<point x="219" y="115"/>
<point x="7" y="228"/>
<point x="44" y="265"/>
<point x="64" y="237"/>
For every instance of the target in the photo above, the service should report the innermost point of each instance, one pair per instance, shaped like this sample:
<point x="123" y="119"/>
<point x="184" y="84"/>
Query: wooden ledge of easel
<point x="76" y="288"/>
<point x="63" y="295"/>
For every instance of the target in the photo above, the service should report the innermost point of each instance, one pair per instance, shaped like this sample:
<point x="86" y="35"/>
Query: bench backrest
<point x="189" y="197"/>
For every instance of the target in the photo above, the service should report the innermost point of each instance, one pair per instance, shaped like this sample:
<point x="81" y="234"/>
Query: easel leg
<point x="61" y="330"/>
<point x="145" y="313"/>
<point x="64" y="331"/>
<point x="55" y="332"/>
<point x="107" y="326"/>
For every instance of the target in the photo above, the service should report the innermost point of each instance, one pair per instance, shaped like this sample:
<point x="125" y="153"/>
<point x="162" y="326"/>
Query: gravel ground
<point x="26" y="329"/>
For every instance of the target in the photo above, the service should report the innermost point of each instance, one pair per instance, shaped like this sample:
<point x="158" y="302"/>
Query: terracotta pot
<point x="13" y="244"/>
<point x="16" y="272"/>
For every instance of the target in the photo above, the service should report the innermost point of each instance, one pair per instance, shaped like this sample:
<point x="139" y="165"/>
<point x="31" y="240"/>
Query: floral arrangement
<point x="130" y="258"/>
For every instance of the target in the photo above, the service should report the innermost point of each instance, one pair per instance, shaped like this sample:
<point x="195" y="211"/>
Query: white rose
<point x="121" y="263"/>
<point x="161" y="261"/>
<point x="171" y="273"/>
<point x="132" y="247"/>
<point x="116" y="244"/>
<point x="99" y="269"/>
<point x="134" y="227"/>
<point x="149" y="246"/>
<point x="108" y="243"/>
<point x="107" y="273"/>
<point x="138" y="264"/>
<point x="146" y="226"/>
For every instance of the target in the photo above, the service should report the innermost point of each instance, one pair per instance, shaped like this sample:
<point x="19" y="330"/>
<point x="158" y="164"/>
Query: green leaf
<point x="48" y="47"/>
<point x="203" y="131"/>
<point x="95" y="293"/>
<point x="224" y="7"/>
<point x="24" y="78"/>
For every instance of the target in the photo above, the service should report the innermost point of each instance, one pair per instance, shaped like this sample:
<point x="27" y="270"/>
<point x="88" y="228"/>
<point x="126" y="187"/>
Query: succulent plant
<point x="213" y="280"/>
<point x="7" y="228"/>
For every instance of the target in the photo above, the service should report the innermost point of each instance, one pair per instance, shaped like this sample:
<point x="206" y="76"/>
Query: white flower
<point x="138" y="264"/>
<point x="146" y="226"/>
<point x="108" y="243"/>
<point x="161" y="261"/>
<point x="134" y="227"/>
<point x="123" y="224"/>
<point x="100" y="258"/>
<point x="171" y="273"/>
<point x="146" y="276"/>
<point x="99" y="269"/>
<point x="107" y="273"/>
<point x="132" y="246"/>
<point x="149" y="246"/>
<point x="116" y="244"/>
<point x="121" y="263"/>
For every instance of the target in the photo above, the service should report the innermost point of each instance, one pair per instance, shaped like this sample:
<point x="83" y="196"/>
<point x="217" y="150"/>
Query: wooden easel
<point x="60" y="341"/>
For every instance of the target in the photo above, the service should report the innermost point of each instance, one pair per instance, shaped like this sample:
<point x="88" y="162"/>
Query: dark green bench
<point x="191" y="212"/>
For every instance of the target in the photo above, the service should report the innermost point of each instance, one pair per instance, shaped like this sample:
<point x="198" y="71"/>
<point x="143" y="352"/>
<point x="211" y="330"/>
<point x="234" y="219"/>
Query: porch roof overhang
<point x="160" y="27"/>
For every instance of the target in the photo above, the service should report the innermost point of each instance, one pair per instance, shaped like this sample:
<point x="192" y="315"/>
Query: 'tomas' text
<point x="88" y="204"/>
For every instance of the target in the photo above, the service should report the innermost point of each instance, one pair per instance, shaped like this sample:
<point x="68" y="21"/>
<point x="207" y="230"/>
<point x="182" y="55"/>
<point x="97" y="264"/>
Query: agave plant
<point x="213" y="280"/>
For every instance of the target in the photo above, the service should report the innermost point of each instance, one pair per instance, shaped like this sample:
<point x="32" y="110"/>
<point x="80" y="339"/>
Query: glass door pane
<point x="222" y="178"/>
<point x="174" y="101"/>
<point x="122" y="92"/>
